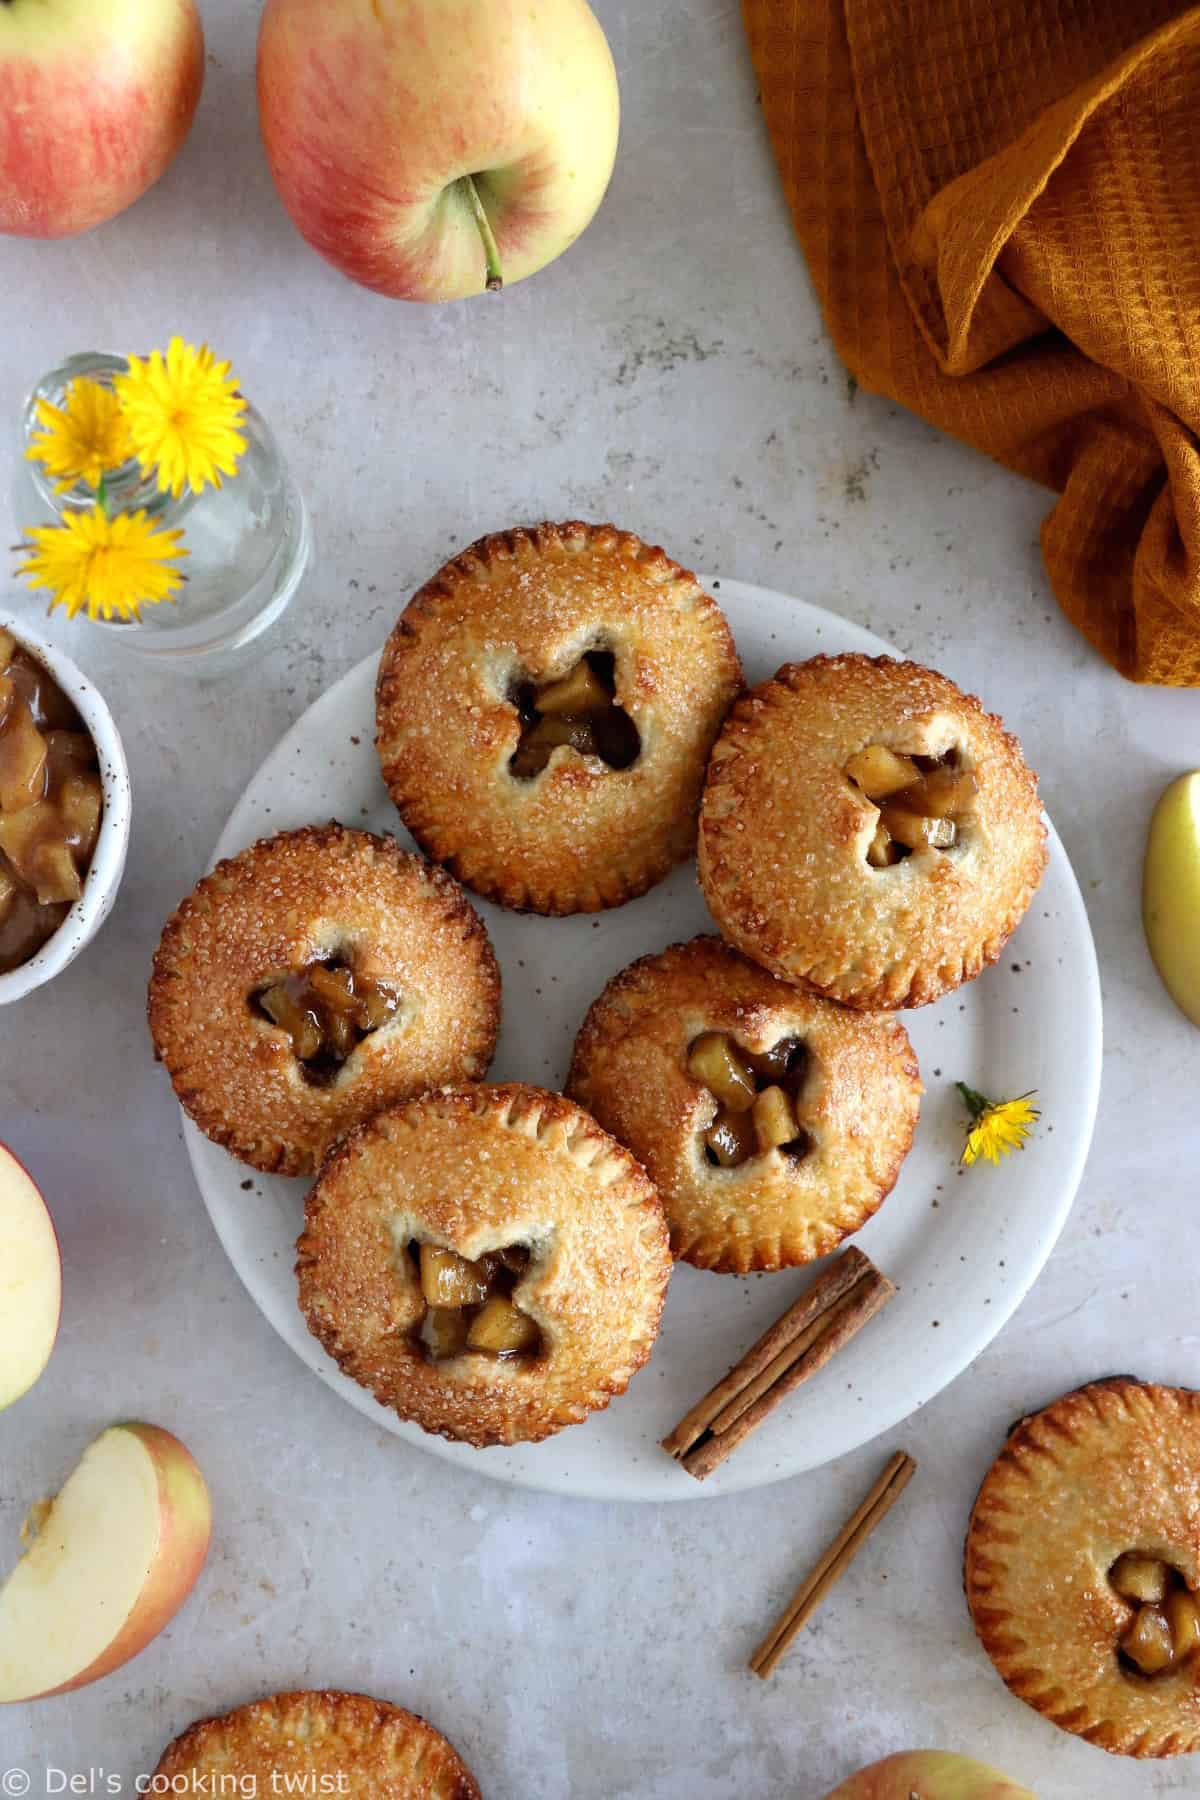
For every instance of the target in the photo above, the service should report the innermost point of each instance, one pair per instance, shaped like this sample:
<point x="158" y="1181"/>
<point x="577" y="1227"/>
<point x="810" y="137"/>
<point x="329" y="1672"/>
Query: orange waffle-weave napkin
<point x="1000" y="205"/>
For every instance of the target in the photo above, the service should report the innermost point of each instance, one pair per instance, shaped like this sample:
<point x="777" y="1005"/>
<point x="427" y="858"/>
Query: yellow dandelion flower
<point x="997" y="1126"/>
<point x="183" y="412"/>
<point x="108" y="568"/>
<point x="82" y="440"/>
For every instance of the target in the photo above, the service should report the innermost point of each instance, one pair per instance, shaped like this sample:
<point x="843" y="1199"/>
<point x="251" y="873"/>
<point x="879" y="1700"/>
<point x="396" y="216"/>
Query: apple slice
<point x="111" y="1560"/>
<point x="1171" y="892"/>
<point x="30" y="1281"/>
<point x="929" y="1775"/>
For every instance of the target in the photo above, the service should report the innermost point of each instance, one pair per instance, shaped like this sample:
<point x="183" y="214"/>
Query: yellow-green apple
<point x="110" y="1561"/>
<point x="30" y="1280"/>
<point x="929" y="1775"/>
<point x="95" y="100"/>
<point x="1171" y="892"/>
<point x="432" y="148"/>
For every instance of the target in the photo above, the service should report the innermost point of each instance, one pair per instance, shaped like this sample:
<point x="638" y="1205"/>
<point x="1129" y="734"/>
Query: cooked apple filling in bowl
<point x="327" y="1009"/>
<point x="579" y="710"/>
<point x="756" y="1093"/>
<point x="50" y="804"/>
<point x="1165" y="1629"/>
<point x="470" y="1304"/>
<point x="924" y="801"/>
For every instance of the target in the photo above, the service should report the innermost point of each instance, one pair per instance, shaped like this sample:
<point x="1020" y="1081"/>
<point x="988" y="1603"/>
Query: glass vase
<point x="249" y="542"/>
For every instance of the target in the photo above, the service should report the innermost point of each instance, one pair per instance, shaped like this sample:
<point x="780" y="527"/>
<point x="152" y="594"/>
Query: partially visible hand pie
<point x="773" y="1122"/>
<point x="868" y="830"/>
<point x="313" y="979"/>
<point x="316" y="1743"/>
<point x="545" y="710"/>
<point x="489" y="1263"/>
<point x="1083" y="1565"/>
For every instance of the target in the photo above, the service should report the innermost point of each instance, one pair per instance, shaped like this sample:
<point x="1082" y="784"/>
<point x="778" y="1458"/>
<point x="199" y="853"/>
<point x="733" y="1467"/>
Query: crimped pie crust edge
<point x="655" y="1108"/>
<point x="631" y="847"/>
<point x="213" y="1085"/>
<point x="410" y="1752"/>
<point x="1124" y="1715"/>
<point x="497" y="1404"/>
<point x="887" y="972"/>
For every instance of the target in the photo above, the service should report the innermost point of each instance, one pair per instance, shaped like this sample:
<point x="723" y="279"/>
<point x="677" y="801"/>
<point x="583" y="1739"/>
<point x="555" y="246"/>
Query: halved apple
<point x="30" y="1281"/>
<point x="929" y="1775"/>
<point x="1171" y="892"/>
<point x="110" y="1561"/>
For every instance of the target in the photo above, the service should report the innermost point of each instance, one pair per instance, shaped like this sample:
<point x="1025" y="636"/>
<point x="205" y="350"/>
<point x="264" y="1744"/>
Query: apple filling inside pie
<point x="50" y="805"/>
<point x="327" y="1010"/>
<point x="922" y="800"/>
<point x="1165" y="1629"/>
<point x="756" y="1093"/>
<point x="469" y="1305"/>
<point x="580" y="710"/>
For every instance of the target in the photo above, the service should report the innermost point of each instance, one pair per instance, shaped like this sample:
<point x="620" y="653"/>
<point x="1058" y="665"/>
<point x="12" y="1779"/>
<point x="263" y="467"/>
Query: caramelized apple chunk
<point x="918" y="831"/>
<point x="448" y="1279"/>
<point x="582" y="691"/>
<point x="502" y="1329"/>
<point x="327" y="1010"/>
<point x="1147" y="1643"/>
<point x="774" y="1119"/>
<point x="731" y="1138"/>
<point x="1139" y="1577"/>
<point x="879" y="772"/>
<point x="714" y="1060"/>
<point x="1183" y="1616"/>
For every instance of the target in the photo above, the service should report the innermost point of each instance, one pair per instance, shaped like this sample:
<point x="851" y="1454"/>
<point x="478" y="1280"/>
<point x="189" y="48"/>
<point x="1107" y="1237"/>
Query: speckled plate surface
<point x="964" y="1248"/>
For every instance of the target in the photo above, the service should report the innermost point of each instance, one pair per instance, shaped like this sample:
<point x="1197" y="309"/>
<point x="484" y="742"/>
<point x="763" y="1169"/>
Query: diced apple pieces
<point x="1147" y="1643"/>
<point x="502" y="1329"/>
<point x="444" y="1331"/>
<point x="942" y="793"/>
<point x="334" y="988"/>
<point x="80" y="801"/>
<point x="448" y="1279"/>
<point x="581" y="691"/>
<point x="8" y="644"/>
<point x="1137" y="1577"/>
<point x="881" y="851"/>
<point x="731" y="1138"/>
<point x="916" y="831"/>
<point x="1183" y="1616"/>
<point x="301" y="1025"/>
<point x="22" y="759"/>
<point x="714" y="1060"/>
<point x="879" y="772"/>
<point x="774" y="1119"/>
<point x="33" y="843"/>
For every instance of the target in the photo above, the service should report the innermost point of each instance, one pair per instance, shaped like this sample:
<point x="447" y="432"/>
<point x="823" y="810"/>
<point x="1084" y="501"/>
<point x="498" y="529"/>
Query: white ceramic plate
<point x="964" y="1248"/>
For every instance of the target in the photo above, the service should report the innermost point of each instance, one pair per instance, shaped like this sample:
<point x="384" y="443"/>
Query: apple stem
<point x="491" y="249"/>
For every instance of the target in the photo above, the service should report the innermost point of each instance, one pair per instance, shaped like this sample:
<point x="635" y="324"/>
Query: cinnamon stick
<point x="826" y="1317"/>
<point x="833" y="1565"/>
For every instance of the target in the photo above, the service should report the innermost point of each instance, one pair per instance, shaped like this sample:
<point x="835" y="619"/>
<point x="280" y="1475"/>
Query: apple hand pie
<point x="489" y="1263"/>
<point x="312" y="979"/>
<point x="1083" y="1565"/>
<point x="545" y="710"/>
<point x="316" y="1743"/>
<point x="773" y="1122"/>
<point x="869" y="831"/>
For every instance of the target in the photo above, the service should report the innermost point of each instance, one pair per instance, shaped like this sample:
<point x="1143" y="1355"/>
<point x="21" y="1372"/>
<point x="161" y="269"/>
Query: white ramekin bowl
<point x="112" y="846"/>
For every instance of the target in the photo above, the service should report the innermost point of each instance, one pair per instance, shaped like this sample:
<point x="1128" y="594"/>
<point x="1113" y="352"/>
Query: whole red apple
<point x="432" y="148"/>
<point x="929" y="1775"/>
<point x="96" y="97"/>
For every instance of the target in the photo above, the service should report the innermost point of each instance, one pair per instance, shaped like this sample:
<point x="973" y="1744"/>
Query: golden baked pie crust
<point x="784" y="832"/>
<point x="861" y="1097"/>
<point x="282" y="904"/>
<point x="528" y="603"/>
<point x="330" y="1742"/>
<point x="476" y="1170"/>
<point x="1109" y="1468"/>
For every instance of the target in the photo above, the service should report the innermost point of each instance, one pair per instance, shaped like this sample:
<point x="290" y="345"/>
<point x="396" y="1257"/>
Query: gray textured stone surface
<point x="671" y="373"/>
